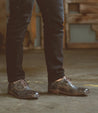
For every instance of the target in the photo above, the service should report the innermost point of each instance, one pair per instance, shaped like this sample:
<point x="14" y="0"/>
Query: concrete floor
<point x="80" y="65"/>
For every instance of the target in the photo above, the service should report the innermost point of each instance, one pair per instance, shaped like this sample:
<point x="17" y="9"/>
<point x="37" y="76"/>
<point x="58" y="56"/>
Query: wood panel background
<point x="87" y="13"/>
<point x="31" y="30"/>
<point x="3" y="14"/>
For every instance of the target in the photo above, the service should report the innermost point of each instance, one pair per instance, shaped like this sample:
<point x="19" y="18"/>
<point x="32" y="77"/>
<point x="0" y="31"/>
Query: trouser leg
<point x="20" y="14"/>
<point x="53" y="18"/>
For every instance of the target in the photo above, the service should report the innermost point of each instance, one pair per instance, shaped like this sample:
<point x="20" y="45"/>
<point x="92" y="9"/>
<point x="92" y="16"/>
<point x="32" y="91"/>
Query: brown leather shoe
<point x="20" y="89"/>
<point x="64" y="86"/>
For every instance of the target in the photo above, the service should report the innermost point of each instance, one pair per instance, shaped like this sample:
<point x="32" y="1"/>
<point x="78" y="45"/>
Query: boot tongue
<point x="21" y="84"/>
<point x="25" y="85"/>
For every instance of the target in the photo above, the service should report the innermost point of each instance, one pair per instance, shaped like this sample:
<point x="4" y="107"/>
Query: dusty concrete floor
<point x="80" y="65"/>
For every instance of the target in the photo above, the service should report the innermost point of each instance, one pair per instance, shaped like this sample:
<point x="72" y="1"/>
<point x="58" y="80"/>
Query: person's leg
<point x="20" y="14"/>
<point x="53" y="17"/>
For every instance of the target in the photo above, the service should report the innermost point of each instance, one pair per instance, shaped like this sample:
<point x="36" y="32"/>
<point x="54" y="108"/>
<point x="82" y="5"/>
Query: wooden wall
<point x="31" y="30"/>
<point x="3" y="15"/>
<point x="87" y="13"/>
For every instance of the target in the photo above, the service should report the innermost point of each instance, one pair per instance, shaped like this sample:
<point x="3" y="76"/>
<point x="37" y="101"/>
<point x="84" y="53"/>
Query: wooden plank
<point x="97" y="35"/>
<point x="81" y="1"/>
<point x="66" y="26"/>
<point x="74" y="7"/>
<point x="3" y="13"/>
<point x="89" y="8"/>
<point x="95" y="27"/>
<point x="36" y="14"/>
<point x="82" y="45"/>
<point x="82" y="18"/>
<point x="42" y="34"/>
<point x="64" y="41"/>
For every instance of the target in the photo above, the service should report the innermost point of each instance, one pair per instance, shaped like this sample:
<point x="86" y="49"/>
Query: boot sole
<point x="58" y="92"/>
<point x="15" y="95"/>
